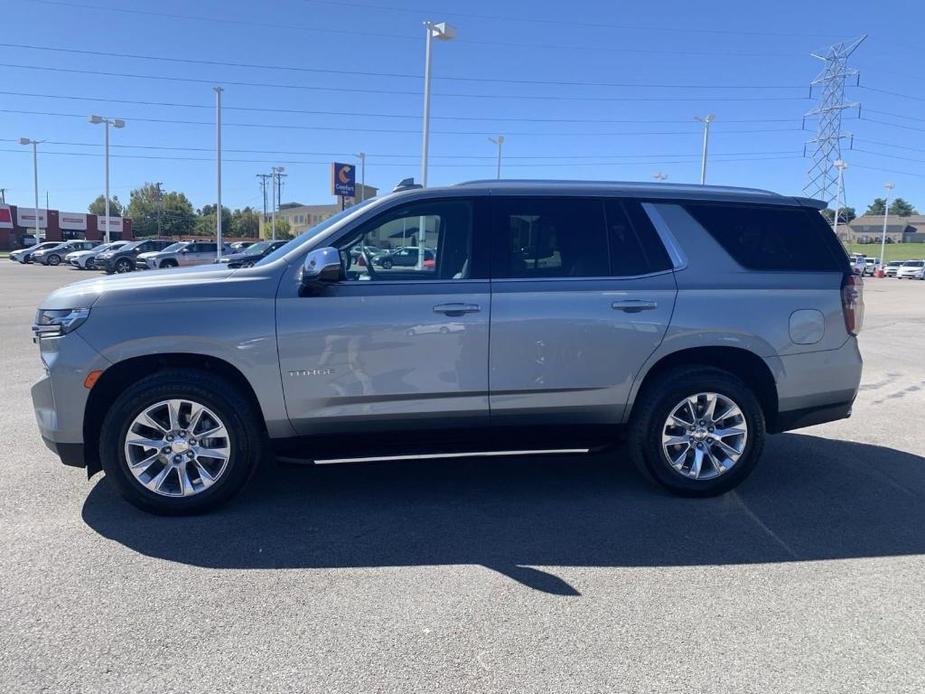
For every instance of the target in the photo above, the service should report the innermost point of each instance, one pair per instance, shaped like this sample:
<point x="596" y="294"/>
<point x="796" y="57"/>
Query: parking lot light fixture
<point x="35" y="178"/>
<point x="498" y="141"/>
<point x="886" y="214"/>
<point x="442" y="32"/>
<point x="106" y="123"/>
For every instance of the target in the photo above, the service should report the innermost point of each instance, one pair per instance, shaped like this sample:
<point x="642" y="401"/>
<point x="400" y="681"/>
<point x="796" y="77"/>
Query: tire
<point x="124" y="265"/>
<point x="53" y="260"/>
<point x="243" y="444"/>
<point x="167" y="264"/>
<point x="649" y="423"/>
<point x="386" y="264"/>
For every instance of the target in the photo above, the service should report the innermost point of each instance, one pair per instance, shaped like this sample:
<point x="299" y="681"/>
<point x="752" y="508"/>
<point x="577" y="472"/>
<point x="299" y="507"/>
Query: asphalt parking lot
<point x="564" y="575"/>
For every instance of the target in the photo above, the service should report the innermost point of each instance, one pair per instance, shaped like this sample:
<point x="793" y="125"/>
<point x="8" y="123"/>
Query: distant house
<point x="868" y="228"/>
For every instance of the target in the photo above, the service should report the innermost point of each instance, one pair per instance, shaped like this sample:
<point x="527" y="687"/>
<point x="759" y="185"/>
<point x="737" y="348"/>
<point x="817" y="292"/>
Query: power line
<point x="274" y="126"/>
<point x="392" y="92"/>
<point x="415" y="117"/>
<point x="895" y="125"/>
<point x="558" y="22"/>
<point x="397" y="164"/>
<point x="891" y="93"/>
<point x="894" y="115"/>
<point x="365" y="73"/>
<point x="889" y="144"/>
<point x="592" y="47"/>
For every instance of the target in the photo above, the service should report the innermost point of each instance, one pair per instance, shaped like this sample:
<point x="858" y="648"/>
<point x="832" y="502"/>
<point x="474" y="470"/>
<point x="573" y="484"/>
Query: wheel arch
<point x="123" y="373"/>
<point x="746" y="365"/>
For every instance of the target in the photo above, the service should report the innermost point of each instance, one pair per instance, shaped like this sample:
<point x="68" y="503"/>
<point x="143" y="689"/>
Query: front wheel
<point x="386" y="264"/>
<point x="180" y="442"/>
<point x="697" y="431"/>
<point x="124" y="265"/>
<point x="54" y="260"/>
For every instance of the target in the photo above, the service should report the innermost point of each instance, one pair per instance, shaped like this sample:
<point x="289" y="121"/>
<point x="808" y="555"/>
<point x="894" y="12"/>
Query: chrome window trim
<point x="678" y="259"/>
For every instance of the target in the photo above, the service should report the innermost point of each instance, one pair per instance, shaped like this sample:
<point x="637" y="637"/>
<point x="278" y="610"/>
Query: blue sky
<point x="324" y="55"/>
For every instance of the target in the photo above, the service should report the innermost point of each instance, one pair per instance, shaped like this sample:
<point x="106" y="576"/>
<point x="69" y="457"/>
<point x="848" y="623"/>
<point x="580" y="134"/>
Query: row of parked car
<point x="147" y="254"/>
<point x="902" y="269"/>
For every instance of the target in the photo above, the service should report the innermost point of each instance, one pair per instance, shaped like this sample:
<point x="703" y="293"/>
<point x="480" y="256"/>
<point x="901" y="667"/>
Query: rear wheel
<point x="168" y="263"/>
<point x="387" y="264"/>
<point x="124" y="265"/>
<point x="180" y="442"/>
<point x="697" y="431"/>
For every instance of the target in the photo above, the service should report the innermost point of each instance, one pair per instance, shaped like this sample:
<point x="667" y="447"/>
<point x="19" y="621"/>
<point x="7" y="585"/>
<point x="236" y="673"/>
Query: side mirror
<point x="322" y="265"/>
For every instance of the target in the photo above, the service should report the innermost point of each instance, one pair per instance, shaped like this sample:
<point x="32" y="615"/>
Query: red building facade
<point x="16" y="222"/>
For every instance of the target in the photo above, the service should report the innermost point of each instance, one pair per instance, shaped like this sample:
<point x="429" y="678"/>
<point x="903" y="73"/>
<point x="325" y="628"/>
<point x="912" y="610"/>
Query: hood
<point x="79" y="254"/>
<point x="148" y="254"/>
<point x="202" y="282"/>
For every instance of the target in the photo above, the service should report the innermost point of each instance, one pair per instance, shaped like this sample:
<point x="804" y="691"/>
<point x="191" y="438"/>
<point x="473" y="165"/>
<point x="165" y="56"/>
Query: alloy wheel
<point x="704" y="436"/>
<point x="177" y="448"/>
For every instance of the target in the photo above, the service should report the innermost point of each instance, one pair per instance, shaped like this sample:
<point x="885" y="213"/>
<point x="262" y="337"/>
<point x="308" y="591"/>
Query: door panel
<point x="568" y="350"/>
<point x="384" y="346"/>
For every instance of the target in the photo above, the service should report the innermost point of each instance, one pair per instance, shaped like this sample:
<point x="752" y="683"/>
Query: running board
<point x="434" y="456"/>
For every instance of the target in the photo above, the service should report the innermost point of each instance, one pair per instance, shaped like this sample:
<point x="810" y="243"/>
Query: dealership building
<point x="54" y="225"/>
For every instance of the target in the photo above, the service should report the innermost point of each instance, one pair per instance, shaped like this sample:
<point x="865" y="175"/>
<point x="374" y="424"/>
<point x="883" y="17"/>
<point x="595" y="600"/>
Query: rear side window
<point x="771" y="238"/>
<point x="635" y="248"/>
<point x="550" y="238"/>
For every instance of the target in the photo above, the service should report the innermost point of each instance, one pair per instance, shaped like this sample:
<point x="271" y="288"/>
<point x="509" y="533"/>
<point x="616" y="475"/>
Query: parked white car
<point x="912" y="270"/>
<point x="892" y="267"/>
<point x="871" y="265"/>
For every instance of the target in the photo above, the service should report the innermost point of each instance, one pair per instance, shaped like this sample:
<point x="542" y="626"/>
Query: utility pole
<point x="218" y="172"/>
<point x="886" y="214"/>
<point x="832" y="103"/>
<point x="362" y="157"/>
<point x="277" y="173"/>
<point x="2" y="196"/>
<point x="706" y="120"/>
<point x="159" y="205"/>
<point x="841" y="165"/>
<point x="263" y="188"/>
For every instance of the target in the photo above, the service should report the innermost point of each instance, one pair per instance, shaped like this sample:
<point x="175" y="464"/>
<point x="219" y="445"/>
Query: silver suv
<point x="181" y="254"/>
<point x="553" y="317"/>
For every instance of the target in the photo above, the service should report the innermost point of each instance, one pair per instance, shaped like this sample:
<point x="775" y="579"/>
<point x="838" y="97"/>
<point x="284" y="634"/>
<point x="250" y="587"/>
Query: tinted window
<point x="770" y="238"/>
<point x="388" y="248"/>
<point x="207" y="248"/>
<point x="550" y="237"/>
<point x="635" y="248"/>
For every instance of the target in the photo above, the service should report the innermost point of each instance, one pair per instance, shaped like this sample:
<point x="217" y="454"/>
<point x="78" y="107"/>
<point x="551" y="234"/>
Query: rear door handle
<point x="456" y="309"/>
<point x="634" y="305"/>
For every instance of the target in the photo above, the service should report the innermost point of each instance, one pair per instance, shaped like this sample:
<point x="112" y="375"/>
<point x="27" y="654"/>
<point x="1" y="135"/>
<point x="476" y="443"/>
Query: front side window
<point x="429" y="240"/>
<point x="549" y="238"/>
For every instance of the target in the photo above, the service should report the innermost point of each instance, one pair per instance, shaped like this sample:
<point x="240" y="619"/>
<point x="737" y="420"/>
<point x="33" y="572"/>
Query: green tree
<point x="283" y="230"/>
<point x="845" y="215"/>
<point x="98" y="206"/>
<point x="245" y="223"/>
<point x="152" y="209"/>
<point x="877" y="207"/>
<point x="901" y="208"/>
<point x="205" y="220"/>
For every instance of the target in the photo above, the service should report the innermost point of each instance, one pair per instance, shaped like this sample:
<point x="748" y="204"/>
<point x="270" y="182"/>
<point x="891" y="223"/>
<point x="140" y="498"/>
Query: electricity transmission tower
<point x="826" y="145"/>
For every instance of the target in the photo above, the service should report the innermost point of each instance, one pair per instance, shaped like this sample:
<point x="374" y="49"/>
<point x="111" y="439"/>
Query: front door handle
<point x="456" y="309"/>
<point x="634" y="305"/>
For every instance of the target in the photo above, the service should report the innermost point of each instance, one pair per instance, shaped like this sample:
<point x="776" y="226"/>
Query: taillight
<point x="852" y="302"/>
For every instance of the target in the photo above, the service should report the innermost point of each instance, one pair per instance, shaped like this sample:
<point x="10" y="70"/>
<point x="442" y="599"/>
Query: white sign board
<point x="114" y="223"/>
<point x="25" y="217"/>
<point x="74" y="221"/>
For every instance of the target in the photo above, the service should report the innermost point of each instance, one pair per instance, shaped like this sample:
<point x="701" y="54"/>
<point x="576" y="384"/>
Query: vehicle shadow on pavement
<point x="811" y="498"/>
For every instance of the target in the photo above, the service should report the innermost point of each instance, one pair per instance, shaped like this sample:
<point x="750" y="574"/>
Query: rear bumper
<point x="797" y="419"/>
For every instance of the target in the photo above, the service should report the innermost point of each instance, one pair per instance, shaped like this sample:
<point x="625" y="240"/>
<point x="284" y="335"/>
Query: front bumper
<point x="59" y="397"/>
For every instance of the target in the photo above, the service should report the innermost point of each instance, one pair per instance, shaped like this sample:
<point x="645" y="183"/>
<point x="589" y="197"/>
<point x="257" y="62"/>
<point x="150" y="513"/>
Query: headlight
<point x="57" y="322"/>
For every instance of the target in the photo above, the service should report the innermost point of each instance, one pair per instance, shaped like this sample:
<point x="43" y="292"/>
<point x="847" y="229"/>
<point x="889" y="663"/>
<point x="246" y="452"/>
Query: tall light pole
<point x="115" y="123"/>
<point x="159" y="206"/>
<point x="841" y="165"/>
<point x="362" y="157"/>
<point x="886" y="213"/>
<point x="498" y="141"/>
<point x="706" y="120"/>
<point x="441" y="32"/>
<point x="35" y="179"/>
<point x="218" y="172"/>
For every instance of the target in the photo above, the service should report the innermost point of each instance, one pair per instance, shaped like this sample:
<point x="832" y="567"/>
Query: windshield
<point x="914" y="263"/>
<point x="174" y="247"/>
<point x="307" y="236"/>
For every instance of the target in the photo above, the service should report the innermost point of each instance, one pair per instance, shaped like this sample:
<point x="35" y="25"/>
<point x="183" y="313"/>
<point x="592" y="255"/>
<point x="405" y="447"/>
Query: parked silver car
<point x="55" y="255"/>
<point x="182" y="254"/>
<point x="554" y="317"/>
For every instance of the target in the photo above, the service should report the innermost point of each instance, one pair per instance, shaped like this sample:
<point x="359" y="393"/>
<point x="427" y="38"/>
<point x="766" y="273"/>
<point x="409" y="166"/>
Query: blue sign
<point x="343" y="180"/>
